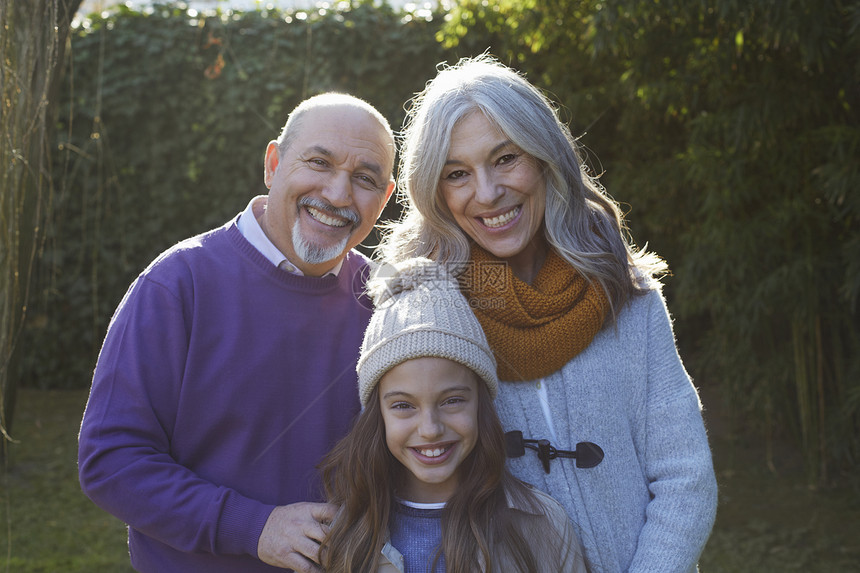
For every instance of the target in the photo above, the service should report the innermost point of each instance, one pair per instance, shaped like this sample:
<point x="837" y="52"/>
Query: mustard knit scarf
<point x="534" y="329"/>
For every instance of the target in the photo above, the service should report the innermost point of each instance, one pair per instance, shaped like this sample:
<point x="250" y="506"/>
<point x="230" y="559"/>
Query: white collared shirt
<point x="249" y="226"/>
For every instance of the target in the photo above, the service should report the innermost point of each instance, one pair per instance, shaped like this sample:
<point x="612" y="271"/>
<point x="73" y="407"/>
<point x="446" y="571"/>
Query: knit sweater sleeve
<point x="676" y="458"/>
<point x="126" y="463"/>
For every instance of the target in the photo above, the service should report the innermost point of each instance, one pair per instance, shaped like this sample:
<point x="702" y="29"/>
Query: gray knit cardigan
<point x="650" y="504"/>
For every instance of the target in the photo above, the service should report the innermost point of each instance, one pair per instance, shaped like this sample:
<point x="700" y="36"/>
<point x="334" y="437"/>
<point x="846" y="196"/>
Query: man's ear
<point x="271" y="163"/>
<point x="388" y="192"/>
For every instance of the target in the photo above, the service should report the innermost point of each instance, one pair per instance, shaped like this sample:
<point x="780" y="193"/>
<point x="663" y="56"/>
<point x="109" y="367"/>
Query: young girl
<point x="421" y="479"/>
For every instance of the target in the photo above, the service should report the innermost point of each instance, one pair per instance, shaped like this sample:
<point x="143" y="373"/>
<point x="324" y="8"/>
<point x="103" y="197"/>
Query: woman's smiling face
<point x="430" y="409"/>
<point x="495" y="191"/>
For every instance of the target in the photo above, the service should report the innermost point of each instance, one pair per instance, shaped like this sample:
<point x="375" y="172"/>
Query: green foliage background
<point x="163" y="134"/>
<point x="729" y="129"/>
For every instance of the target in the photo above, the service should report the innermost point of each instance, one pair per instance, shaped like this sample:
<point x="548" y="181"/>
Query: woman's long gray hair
<point x="581" y="221"/>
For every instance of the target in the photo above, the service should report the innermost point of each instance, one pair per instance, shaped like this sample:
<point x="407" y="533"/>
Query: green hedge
<point x="162" y="136"/>
<point x="730" y="129"/>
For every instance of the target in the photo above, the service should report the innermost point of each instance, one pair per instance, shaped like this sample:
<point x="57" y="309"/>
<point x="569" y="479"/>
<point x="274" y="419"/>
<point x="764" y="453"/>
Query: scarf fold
<point x="534" y="329"/>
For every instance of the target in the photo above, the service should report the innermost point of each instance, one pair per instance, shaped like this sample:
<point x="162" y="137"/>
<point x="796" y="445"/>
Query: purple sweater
<point x="221" y="383"/>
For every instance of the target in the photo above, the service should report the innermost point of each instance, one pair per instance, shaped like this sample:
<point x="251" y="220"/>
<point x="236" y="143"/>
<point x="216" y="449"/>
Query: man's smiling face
<point x="328" y="187"/>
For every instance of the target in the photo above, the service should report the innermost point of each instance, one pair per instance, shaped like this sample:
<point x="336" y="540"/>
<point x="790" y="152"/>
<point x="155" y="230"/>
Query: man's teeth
<point x="435" y="453"/>
<point x="501" y="219"/>
<point x="325" y="219"/>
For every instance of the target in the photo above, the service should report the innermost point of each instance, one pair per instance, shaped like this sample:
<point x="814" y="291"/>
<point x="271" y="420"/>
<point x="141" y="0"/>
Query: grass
<point x="770" y="520"/>
<point x="47" y="525"/>
<point x="766" y="522"/>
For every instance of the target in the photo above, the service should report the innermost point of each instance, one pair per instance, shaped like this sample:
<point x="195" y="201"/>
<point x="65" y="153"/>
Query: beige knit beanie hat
<point x="419" y="311"/>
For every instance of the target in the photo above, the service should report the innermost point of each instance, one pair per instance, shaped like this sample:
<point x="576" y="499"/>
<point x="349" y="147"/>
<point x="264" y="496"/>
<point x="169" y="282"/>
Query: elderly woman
<point x="495" y="188"/>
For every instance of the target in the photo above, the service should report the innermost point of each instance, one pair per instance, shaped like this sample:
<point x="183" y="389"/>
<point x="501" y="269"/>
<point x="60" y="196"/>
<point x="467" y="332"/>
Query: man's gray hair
<point x="295" y="121"/>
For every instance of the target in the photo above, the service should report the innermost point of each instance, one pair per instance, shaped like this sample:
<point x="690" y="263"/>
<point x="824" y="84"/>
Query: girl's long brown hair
<point x="361" y="475"/>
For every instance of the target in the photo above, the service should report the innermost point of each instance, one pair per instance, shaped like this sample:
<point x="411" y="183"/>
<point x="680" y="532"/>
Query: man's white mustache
<point x="342" y="212"/>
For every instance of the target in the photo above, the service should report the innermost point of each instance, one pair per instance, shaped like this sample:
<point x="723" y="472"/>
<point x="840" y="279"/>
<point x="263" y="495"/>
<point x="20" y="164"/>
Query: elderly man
<point x="228" y="369"/>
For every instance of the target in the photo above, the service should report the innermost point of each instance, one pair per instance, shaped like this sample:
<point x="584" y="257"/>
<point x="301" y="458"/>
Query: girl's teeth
<point x="325" y="219"/>
<point x="432" y="453"/>
<point x="501" y="219"/>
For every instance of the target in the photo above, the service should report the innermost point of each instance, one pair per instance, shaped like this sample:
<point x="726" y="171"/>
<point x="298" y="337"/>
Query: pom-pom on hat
<point x="420" y="312"/>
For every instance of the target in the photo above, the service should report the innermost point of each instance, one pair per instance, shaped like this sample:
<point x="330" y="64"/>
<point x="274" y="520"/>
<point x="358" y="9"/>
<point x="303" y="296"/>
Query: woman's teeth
<point x="502" y="219"/>
<point x="325" y="219"/>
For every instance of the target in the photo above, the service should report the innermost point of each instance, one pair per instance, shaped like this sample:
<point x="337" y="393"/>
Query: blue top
<point x="417" y="534"/>
<point x="538" y="517"/>
<point x="221" y="383"/>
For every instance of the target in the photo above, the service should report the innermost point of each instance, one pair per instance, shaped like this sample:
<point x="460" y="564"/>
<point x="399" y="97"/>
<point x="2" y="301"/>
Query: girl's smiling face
<point x="430" y="409"/>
